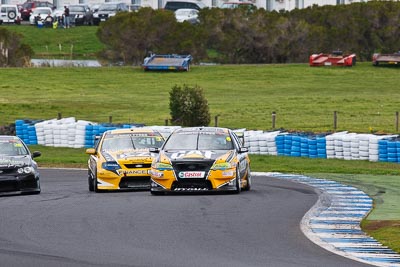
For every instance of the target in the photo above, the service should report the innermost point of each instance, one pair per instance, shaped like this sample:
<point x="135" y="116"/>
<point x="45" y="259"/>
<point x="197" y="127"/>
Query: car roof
<point x="202" y="129"/>
<point x="9" y="137"/>
<point x="198" y="3"/>
<point x="133" y="130"/>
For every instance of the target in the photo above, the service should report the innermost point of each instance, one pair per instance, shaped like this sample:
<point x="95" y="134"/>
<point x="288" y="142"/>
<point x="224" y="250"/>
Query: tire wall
<point x="69" y="132"/>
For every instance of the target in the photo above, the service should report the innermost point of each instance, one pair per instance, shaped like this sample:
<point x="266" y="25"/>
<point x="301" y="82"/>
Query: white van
<point x="10" y="14"/>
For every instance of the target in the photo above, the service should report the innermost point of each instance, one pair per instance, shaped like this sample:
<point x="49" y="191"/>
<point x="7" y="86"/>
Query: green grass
<point x="244" y="96"/>
<point x="76" y="42"/>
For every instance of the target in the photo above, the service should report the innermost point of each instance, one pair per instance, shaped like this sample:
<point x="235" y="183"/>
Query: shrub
<point x="188" y="106"/>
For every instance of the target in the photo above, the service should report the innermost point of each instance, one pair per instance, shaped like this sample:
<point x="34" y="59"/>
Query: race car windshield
<point x="129" y="142"/>
<point x="12" y="148"/>
<point x="199" y="142"/>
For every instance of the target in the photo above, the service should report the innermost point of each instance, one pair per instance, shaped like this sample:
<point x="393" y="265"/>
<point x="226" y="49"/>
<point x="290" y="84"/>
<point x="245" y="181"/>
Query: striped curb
<point x="334" y="221"/>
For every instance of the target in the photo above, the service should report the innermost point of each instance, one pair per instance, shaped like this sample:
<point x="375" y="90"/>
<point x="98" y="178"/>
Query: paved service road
<point x="66" y="225"/>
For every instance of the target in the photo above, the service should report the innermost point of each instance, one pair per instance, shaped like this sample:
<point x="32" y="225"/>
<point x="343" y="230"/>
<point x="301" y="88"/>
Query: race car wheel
<point x="12" y="15"/>
<point x="238" y="183"/>
<point x="248" y="184"/>
<point x="95" y="185"/>
<point x="90" y="181"/>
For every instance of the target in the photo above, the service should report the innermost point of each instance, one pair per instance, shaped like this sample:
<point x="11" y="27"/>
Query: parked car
<point x="198" y="159"/>
<point x="121" y="159"/>
<point x="28" y="7"/>
<point x="95" y="7"/>
<point x="10" y="14"/>
<point x="187" y="14"/>
<point x="175" y="5"/>
<point x="40" y="13"/>
<point x="18" y="171"/>
<point x="134" y="8"/>
<point x="80" y="15"/>
<point x="108" y="10"/>
<point x="246" y="5"/>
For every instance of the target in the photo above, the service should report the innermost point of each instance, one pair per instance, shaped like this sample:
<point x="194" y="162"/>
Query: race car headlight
<point x="110" y="166"/>
<point x="25" y="170"/>
<point x="222" y="166"/>
<point x="159" y="166"/>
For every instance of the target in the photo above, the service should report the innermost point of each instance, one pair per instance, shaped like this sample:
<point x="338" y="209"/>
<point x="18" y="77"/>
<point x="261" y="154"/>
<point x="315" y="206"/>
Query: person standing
<point x="66" y="17"/>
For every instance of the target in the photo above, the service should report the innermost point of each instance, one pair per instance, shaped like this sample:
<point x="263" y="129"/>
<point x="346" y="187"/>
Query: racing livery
<point x="121" y="159"/>
<point x="201" y="159"/>
<point x="18" y="171"/>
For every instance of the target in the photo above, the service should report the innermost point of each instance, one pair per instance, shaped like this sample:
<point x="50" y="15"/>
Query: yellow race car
<point x="121" y="159"/>
<point x="201" y="159"/>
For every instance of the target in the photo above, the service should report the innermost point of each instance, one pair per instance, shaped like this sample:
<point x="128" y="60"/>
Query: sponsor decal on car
<point x="192" y="189"/>
<point x="136" y="172"/>
<point x="191" y="174"/>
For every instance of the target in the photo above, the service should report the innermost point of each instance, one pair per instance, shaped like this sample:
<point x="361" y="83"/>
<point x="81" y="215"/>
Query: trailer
<point x="386" y="58"/>
<point x="336" y="58"/>
<point x="167" y="62"/>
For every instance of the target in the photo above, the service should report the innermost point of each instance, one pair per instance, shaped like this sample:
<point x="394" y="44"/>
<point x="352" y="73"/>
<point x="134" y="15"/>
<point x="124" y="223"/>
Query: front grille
<point x="192" y="184"/>
<point x="8" y="171"/>
<point x="12" y="183"/>
<point x="7" y="186"/>
<point x="136" y="182"/>
<point x="137" y="165"/>
<point x="195" y="166"/>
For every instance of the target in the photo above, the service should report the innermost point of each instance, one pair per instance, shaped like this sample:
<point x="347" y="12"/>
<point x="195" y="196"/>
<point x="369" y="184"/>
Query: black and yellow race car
<point x="18" y="170"/>
<point x="199" y="159"/>
<point x="121" y="159"/>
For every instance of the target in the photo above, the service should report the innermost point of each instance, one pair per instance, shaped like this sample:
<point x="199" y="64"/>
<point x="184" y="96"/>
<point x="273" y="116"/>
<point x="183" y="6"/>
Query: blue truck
<point x="167" y="62"/>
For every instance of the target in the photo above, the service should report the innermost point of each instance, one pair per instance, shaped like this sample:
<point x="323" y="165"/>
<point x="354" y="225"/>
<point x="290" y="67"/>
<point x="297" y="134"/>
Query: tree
<point x="188" y="106"/>
<point x="12" y="52"/>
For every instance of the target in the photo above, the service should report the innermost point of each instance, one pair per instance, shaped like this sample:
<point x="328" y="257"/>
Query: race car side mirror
<point x="36" y="154"/>
<point x="90" y="151"/>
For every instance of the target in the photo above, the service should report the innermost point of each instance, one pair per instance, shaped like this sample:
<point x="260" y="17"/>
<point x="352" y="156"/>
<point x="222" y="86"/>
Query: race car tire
<point x="12" y="15"/>
<point x="90" y="182"/>
<point x="238" y="183"/>
<point x="94" y="181"/>
<point x="248" y="184"/>
<point x="37" y="192"/>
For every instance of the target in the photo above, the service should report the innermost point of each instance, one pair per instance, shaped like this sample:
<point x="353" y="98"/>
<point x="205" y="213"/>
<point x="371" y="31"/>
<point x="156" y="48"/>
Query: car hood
<point x="198" y="155"/>
<point x="127" y="155"/>
<point x="14" y="161"/>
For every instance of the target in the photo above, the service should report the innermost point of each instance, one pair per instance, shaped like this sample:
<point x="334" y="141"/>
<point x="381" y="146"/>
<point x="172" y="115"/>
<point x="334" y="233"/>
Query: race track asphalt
<point x="66" y="225"/>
